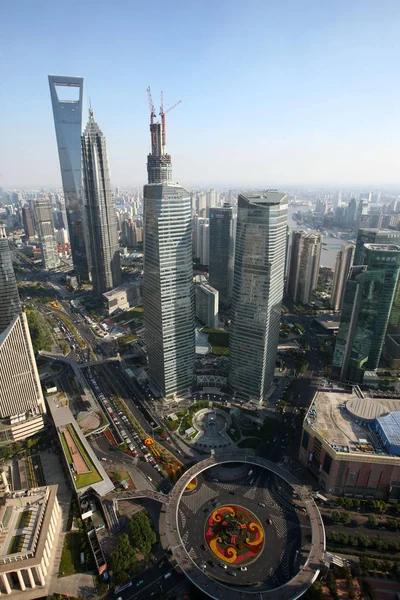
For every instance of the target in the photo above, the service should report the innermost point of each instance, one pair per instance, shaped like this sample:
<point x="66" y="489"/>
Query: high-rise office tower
<point x="48" y="244"/>
<point x="366" y="307"/>
<point x="206" y="304"/>
<point x="351" y="213"/>
<point x="305" y="259"/>
<point x="221" y="245"/>
<point x="373" y="236"/>
<point x="257" y="291"/>
<point x="10" y="305"/>
<point x="102" y="241"/>
<point x="168" y="294"/>
<point x="28" y="223"/>
<point x="21" y="399"/>
<point x="211" y="199"/>
<point x="68" y="124"/>
<point x="380" y="236"/>
<point x="344" y="262"/>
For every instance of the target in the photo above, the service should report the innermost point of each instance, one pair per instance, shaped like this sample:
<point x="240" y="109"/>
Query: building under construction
<point x="159" y="167"/>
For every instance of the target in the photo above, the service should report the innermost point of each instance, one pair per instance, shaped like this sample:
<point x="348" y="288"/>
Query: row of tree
<point x="376" y="506"/>
<point x="364" y="541"/>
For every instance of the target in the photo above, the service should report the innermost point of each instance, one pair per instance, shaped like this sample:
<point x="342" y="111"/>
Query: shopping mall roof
<point x="390" y="425"/>
<point x="341" y="417"/>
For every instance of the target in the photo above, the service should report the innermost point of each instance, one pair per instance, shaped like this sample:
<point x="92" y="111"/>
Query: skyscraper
<point x="367" y="303"/>
<point x="168" y="294"/>
<point x="221" y="253"/>
<point x="257" y="291"/>
<point x="10" y="305"/>
<point x="373" y="236"/>
<point x="28" y="223"/>
<point x="344" y="262"/>
<point x="21" y="399"/>
<point x="102" y="242"/>
<point x="68" y="124"/>
<point x="48" y="244"/>
<point x="380" y="236"/>
<point x="305" y="259"/>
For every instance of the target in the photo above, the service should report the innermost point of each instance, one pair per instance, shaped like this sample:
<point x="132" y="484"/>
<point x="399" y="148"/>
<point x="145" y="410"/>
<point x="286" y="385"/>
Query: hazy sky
<point x="273" y="92"/>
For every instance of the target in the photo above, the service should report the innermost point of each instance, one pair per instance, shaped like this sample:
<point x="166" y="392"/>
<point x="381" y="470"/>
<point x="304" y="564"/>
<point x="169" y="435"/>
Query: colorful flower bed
<point x="234" y="535"/>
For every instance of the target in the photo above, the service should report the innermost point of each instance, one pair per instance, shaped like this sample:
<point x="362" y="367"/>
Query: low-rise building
<point x="123" y="297"/>
<point x="347" y="444"/>
<point x="207" y="299"/>
<point x="29" y="523"/>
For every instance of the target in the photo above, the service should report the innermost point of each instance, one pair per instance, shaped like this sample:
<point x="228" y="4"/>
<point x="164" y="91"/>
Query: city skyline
<point x="315" y="121"/>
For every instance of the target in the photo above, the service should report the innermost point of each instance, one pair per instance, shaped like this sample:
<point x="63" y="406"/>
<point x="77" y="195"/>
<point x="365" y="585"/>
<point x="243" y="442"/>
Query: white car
<point x="223" y="565"/>
<point x="243" y="568"/>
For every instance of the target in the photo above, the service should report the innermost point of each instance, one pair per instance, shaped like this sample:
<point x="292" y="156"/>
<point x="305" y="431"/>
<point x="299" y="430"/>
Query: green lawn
<point x="71" y="555"/>
<point x="83" y="479"/>
<point x="127" y="339"/>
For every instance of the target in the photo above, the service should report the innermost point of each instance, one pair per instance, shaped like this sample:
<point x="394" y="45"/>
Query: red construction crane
<point x="163" y="122"/>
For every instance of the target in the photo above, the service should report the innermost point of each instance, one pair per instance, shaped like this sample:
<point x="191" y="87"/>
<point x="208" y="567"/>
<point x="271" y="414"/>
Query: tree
<point x="142" y="532"/>
<point x="123" y="559"/>
<point x="372" y="521"/>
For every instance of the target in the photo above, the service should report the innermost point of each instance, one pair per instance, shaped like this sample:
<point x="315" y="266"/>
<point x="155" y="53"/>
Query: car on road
<point x="233" y="573"/>
<point x="243" y="568"/>
<point x="261" y="504"/>
<point x="269" y="521"/>
<point x="140" y="582"/>
<point x="223" y="565"/>
<point x="149" y="478"/>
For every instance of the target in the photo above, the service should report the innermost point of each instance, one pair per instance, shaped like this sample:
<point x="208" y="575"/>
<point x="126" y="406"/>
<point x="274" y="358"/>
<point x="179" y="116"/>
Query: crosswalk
<point x="195" y="501"/>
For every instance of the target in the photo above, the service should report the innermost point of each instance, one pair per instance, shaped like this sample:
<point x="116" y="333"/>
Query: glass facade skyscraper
<point x="68" y="125"/>
<point x="168" y="292"/>
<point x="221" y="252"/>
<point x="366" y="307"/>
<point x="102" y="242"/>
<point x="257" y="291"/>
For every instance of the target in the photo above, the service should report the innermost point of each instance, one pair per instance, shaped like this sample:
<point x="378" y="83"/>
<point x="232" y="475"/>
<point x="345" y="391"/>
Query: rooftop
<point x="382" y="247"/>
<point x="87" y="466"/>
<point x="328" y="321"/>
<point x="344" y="418"/>
<point x="24" y="519"/>
<point x="129" y="285"/>
<point x="391" y="427"/>
<point x="264" y="197"/>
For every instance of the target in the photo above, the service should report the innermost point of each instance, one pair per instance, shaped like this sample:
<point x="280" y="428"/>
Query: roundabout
<point x="247" y="528"/>
<point x="234" y="535"/>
